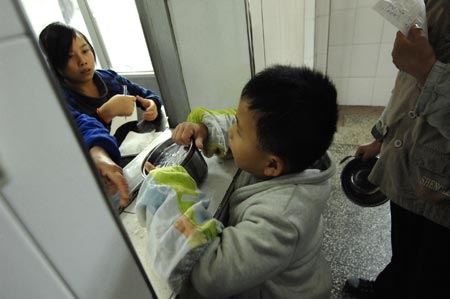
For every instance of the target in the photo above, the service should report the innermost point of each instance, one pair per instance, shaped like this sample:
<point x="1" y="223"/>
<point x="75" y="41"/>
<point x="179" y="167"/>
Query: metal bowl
<point x="355" y="183"/>
<point x="169" y="153"/>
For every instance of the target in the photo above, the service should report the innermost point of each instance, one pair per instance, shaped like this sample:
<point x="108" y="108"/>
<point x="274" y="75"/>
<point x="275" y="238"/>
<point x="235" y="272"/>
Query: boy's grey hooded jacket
<point x="271" y="245"/>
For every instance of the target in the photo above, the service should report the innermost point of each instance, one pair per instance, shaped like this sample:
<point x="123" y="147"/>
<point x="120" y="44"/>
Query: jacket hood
<point x="322" y="170"/>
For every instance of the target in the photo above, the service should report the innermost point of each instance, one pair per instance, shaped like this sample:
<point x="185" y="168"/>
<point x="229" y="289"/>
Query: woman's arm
<point x="434" y="101"/>
<point x="95" y="134"/>
<point x="104" y="152"/>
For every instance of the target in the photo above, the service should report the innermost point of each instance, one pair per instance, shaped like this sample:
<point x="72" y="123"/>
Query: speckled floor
<point x="357" y="239"/>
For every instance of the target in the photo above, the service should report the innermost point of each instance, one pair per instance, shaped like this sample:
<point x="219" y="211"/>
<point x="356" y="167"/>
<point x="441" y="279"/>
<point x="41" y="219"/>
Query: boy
<point x="271" y="244"/>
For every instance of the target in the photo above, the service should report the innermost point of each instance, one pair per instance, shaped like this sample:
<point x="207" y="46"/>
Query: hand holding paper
<point x="413" y="55"/>
<point x="403" y="14"/>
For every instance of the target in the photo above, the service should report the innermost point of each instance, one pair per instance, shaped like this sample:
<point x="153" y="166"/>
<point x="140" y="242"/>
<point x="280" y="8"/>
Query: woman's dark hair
<point x="297" y="113"/>
<point x="55" y="41"/>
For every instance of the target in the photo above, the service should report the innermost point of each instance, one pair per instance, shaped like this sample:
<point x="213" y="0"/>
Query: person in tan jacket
<point x="412" y="138"/>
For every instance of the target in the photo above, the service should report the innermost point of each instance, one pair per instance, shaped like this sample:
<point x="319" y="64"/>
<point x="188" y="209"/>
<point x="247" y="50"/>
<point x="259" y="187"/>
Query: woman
<point x="102" y="94"/>
<point x="94" y="98"/>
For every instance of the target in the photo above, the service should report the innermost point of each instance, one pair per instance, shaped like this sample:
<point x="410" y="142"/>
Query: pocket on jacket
<point x="433" y="169"/>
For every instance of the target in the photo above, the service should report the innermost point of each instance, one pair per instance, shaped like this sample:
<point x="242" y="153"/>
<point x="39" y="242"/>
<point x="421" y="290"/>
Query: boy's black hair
<point x="55" y="41"/>
<point x="297" y="113"/>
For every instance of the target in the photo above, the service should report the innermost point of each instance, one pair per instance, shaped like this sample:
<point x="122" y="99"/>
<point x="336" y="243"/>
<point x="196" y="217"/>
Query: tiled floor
<point x="357" y="239"/>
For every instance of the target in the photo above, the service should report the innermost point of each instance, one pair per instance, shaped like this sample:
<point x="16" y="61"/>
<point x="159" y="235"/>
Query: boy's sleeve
<point x="218" y="122"/>
<point x="380" y="129"/>
<point x="178" y="224"/>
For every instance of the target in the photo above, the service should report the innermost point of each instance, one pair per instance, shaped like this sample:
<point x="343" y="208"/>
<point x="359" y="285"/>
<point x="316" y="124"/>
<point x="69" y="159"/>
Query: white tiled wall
<point x="284" y="30"/>
<point x="353" y="46"/>
<point x="308" y="55"/>
<point x="321" y="34"/>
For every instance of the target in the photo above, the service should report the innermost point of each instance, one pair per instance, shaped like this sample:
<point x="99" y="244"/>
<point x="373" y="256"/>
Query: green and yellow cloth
<point x="179" y="225"/>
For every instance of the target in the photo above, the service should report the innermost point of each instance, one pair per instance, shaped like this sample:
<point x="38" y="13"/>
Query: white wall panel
<point x="343" y="4"/>
<point x="259" y="51"/>
<point x="321" y="34"/>
<point x="322" y="7"/>
<point x="284" y="26"/>
<point x="26" y="272"/>
<point x="366" y="3"/>
<point x="211" y="37"/>
<point x="10" y="24"/>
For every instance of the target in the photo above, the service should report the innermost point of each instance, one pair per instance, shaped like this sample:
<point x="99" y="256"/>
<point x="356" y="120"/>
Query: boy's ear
<point x="274" y="166"/>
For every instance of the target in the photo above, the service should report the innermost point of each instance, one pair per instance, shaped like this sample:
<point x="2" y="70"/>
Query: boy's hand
<point x="413" y="54"/>
<point x="184" y="132"/>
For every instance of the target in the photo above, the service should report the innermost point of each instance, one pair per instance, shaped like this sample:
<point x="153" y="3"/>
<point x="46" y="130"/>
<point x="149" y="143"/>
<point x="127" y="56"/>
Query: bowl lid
<point x="172" y="155"/>
<point x="168" y="153"/>
<point x="355" y="183"/>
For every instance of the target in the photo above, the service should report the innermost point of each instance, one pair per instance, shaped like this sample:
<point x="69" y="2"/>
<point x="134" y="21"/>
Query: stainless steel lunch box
<point x="169" y="153"/>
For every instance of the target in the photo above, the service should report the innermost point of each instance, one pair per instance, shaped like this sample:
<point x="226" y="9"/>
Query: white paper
<point x="403" y="14"/>
<point x="134" y="142"/>
<point x="120" y="120"/>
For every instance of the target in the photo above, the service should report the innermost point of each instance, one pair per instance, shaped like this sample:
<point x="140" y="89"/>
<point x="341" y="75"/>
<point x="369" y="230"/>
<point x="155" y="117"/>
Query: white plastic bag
<point x="403" y="14"/>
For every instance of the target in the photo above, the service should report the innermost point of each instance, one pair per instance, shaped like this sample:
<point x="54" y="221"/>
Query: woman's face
<point x="81" y="64"/>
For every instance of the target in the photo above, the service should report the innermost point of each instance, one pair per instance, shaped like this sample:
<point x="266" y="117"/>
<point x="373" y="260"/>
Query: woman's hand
<point x="413" y="54"/>
<point x="369" y="150"/>
<point x="118" y="105"/>
<point x="111" y="174"/>
<point x="184" y="132"/>
<point x="151" y="110"/>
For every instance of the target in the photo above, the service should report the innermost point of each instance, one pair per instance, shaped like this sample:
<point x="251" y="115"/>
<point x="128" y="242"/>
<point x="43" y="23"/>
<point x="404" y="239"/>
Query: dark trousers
<point x="420" y="263"/>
